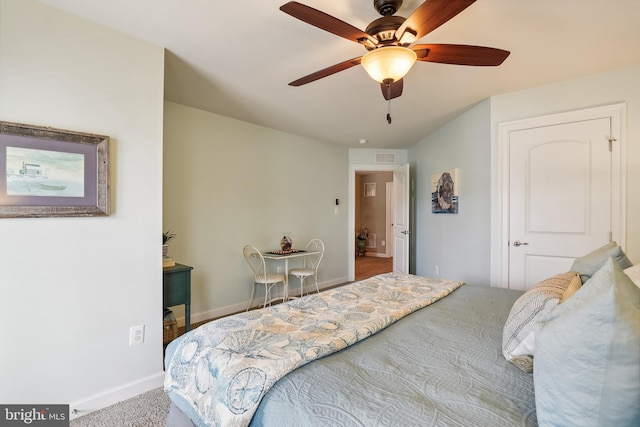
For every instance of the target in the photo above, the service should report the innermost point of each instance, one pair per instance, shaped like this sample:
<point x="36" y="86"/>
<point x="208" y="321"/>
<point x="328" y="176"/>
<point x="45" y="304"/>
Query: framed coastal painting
<point x="444" y="192"/>
<point x="48" y="172"/>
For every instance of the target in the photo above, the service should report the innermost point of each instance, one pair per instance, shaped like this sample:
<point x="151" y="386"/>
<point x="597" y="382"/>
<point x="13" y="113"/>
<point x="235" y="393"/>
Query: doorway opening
<point x="400" y="251"/>
<point x="373" y="223"/>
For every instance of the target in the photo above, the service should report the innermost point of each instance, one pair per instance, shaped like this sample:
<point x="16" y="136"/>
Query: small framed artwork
<point x="445" y="188"/>
<point x="48" y="172"/>
<point x="370" y="189"/>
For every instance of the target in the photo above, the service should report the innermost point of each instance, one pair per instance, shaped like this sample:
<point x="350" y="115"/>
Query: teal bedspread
<point x="440" y="366"/>
<point x="218" y="374"/>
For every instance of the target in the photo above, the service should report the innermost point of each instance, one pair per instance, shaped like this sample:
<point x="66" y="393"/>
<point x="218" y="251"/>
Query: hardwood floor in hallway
<point x="367" y="266"/>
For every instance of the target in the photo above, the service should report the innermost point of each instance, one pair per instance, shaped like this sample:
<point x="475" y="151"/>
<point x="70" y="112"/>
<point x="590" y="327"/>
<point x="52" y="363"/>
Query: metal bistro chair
<point x="311" y="264"/>
<point x="260" y="276"/>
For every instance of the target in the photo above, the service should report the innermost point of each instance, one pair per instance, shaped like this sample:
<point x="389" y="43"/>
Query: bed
<point x="405" y="350"/>
<point x="439" y="365"/>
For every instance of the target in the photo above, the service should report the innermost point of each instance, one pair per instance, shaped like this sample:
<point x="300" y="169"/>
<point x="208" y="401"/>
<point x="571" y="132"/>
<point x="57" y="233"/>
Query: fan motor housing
<point x="384" y="29"/>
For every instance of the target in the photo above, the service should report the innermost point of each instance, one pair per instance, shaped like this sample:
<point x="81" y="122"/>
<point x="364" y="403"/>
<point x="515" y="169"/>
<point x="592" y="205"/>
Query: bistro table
<point x="286" y="256"/>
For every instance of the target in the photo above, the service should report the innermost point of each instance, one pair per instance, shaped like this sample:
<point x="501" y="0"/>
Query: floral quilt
<point x="220" y="371"/>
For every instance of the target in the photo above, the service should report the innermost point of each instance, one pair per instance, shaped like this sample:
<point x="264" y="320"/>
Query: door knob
<point x="518" y="243"/>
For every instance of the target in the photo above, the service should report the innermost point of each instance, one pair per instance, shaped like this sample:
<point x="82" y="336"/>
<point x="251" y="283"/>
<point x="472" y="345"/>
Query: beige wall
<point x="72" y="287"/>
<point x="229" y="183"/>
<point x="371" y="212"/>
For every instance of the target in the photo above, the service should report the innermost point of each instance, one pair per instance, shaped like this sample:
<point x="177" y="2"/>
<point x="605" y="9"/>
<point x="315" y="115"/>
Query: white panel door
<point x="559" y="197"/>
<point x="401" y="219"/>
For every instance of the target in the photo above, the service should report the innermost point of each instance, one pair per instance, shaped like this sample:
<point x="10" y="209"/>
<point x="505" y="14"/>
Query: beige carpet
<point x="146" y="410"/>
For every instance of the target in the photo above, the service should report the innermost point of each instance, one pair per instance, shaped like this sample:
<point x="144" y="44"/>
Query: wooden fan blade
<point x="394" y="90"/>
<point x="327" y="22"/>
<point x="430" y="15"/>
<point x="326" y="72"/>
<point x="459" y="54"/>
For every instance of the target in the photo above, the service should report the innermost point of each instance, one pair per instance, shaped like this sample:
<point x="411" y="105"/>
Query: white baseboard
<point x="115" y="395"/>
<point x="235" y="308"/>
<point x="376" y="254"/>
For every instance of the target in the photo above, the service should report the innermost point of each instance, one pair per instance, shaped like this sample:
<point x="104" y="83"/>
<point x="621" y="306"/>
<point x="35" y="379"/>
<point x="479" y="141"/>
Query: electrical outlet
<point x="279" y="270"/>
<point x="136" y="335"/>
<point x="383" y="243"/>
<point x="437" y="271"/>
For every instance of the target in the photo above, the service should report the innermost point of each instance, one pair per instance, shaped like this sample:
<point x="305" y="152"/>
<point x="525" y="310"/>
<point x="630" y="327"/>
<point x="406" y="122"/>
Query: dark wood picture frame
<point x="81" y="161"/>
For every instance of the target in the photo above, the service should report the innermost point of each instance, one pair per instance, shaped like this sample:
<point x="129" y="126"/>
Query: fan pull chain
<point x="388" y="103"/>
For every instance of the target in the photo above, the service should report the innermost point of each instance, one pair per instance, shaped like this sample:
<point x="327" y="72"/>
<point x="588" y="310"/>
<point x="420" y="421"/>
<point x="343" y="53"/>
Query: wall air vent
<point x="385" y="157"/>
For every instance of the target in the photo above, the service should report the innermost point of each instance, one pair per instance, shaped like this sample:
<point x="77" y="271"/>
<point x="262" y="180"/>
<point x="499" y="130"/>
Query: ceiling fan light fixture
<point x="388" y="64"/>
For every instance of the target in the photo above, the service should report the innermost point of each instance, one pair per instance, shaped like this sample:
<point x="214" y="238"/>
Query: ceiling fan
<point x="387" y="41"/>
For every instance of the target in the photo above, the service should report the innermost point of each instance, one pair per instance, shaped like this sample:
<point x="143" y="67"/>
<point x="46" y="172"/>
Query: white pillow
<point x="527" y="346"/>
<point x="517" y="341"/>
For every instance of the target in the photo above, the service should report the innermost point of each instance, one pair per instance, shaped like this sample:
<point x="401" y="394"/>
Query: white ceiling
<point x="237" y="57"/>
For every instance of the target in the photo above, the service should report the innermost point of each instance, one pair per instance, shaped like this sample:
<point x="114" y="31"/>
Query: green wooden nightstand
<point x="176" y="289"/>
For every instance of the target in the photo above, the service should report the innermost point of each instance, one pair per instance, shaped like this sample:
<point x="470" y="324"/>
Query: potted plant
<point x="363" y="235"/>
<point x="166" y="237"/>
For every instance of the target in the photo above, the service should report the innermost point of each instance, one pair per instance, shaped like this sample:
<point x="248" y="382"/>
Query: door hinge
<point x="610" y="236"/>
